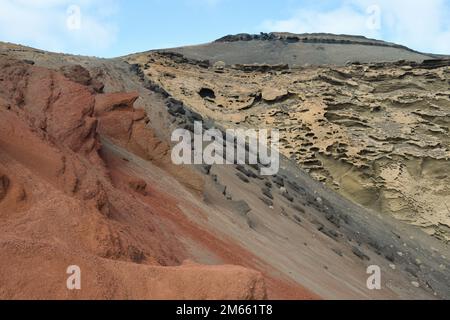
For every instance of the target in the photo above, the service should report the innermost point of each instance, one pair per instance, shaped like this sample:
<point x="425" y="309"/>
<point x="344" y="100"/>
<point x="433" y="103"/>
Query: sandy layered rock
<point x="272" y="94"/>
<point x="377" y="133"/>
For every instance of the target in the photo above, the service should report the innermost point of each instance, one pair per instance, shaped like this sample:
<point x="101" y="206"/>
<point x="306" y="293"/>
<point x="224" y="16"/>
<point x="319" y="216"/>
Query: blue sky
<point x="109" y="28"/>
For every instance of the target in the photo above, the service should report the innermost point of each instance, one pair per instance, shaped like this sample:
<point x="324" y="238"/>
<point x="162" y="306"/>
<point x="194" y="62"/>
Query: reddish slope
<point x="62" y="204"/>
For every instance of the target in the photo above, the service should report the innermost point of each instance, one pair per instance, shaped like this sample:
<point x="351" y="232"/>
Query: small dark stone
<point x="334" y="219"/>
<point x="318" y="224"/>
<point x="241" y="207"/>
<point x="221" y="188"/>
<point x="242" y="177"/>
<point x="206" y="169"/>
<point x="287" y="196"/>
<point x="268" y="202"/>
<point x="193" y="116"/>
<point x="249" y="173"/>
<point x="267" y="193"/>
<point x="294" y="186"/>
<point x="298" y="208"/>
<point x="375" y="245"/>
<point x="297" y="219"/>
<point x="390" y="256"/>
<point x="330" y="233"/>
<point x="175" y="107"/>
<point x="413" y="270"/>
<point x="278" y="181"/>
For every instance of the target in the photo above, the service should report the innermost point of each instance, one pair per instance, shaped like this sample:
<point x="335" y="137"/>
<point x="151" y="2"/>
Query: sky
<point x="111" y="28"/>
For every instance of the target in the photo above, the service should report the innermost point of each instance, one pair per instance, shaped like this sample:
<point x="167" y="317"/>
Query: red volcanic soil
<point x="168" y="206"/>
<point x="66" y="199"/>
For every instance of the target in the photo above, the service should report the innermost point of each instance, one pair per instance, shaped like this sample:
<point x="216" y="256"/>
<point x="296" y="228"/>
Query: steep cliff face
<point x="376" y="133"/>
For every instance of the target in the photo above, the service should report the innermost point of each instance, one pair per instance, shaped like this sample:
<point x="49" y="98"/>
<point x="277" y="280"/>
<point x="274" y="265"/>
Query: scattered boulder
<point x="221" y="188"/>
<point x="330" y="233"/>
<point x="333" y="218"/>
<point x="389" y="255"/>
<point x="268" y="202"/>
<point x="279" y="181"/>
<point x="206" y="169"/>
<point x="175" y="107"/>
<point x="357" y="252"/>
<point x="287" y="196"/>
<point x="267" y="193"/>
<point x="241" y="207"/>
<point x="413" y="270"/>
<point x="375" y="245"/>
<point x="298" y="208"/>
<point x="295" y="187"/>
<point x="249" y="173"/>
<point x="297" y="219"/>
<point x="318" y="224"/>
<point x="193" y="116"/>
<point x="252" y="221"/>
<point x="242" y="177"/>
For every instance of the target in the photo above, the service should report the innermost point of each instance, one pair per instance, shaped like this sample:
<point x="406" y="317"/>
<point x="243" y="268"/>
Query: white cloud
<point x="44" y="24"/>
<point x="421" y="25"/>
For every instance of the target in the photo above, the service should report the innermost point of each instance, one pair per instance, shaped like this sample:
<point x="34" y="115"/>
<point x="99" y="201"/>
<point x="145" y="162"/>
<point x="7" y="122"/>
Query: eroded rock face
<point x="81" y="75"/>
<point x="377" y="133"/>
<point x="128" y="127"/>
<point x="61" y="203"/>
<point x="115" y="102"/>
